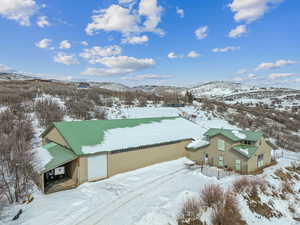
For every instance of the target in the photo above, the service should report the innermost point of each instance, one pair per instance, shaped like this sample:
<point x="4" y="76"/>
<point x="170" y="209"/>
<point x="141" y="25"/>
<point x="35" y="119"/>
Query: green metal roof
<point x="91" y="132"/>
<point x="60" y="155"/>
<point x="246" y="150"/>
<point x="249" y="135"/>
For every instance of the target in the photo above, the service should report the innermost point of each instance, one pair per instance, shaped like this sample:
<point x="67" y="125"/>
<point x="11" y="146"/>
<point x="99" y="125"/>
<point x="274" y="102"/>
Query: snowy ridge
<point x="219" y="88"/>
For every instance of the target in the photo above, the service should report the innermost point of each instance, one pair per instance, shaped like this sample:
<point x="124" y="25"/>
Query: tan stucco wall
<point x="54" y="135"/>
<point x="213" y="154"/>
<point x="263" y="148"/>
<point x="231" y="156"/>
<point x="83" y="170"/>
<point x="131" y="160"/>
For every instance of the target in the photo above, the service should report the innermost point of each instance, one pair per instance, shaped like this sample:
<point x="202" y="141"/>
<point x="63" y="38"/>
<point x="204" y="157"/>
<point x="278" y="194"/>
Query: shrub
<point x="211" y="195"/>
<point x="241" y="184"/>
<point x="189" y="214"/>
<point x="249" y="185"/>
<point x="227" y="212"/>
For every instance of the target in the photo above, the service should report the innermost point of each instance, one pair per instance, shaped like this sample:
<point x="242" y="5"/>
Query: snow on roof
<point x="197" y="144"/>
<point x="42" y="158"/>
<point x="166" y="130"/>
<point x="239" y="134"/>
<point x="244" y="151"/>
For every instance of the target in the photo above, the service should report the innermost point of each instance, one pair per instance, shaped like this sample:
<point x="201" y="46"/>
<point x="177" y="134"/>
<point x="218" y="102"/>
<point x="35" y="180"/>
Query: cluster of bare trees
<point x="16" y="157"/>
<point x="48" y="111"/>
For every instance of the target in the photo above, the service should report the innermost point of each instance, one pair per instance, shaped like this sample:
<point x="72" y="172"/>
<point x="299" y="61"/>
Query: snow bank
<point x="238" y="134"/>
<point x="147" y="134"/>
<point x="43" y="157"/>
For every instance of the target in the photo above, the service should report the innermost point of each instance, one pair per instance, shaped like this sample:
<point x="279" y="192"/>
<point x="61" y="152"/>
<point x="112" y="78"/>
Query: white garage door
<point x="97" y="167"/>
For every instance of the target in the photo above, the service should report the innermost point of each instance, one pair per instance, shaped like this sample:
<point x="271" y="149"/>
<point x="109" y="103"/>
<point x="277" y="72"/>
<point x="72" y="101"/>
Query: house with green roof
<point x="240" y="150"/>
<point x="80" y="151"/>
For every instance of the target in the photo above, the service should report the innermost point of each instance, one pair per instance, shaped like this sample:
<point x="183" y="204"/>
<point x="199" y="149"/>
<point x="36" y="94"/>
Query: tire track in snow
<point x="102" y="212"/>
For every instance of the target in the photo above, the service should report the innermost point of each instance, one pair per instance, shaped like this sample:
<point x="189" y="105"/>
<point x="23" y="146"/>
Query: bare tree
<point x="16" y="158"/>
<point x="48" y="111"/>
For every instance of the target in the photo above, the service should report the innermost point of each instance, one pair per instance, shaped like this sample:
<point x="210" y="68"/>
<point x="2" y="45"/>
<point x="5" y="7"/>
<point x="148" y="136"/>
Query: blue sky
<point x="153" y="41"/>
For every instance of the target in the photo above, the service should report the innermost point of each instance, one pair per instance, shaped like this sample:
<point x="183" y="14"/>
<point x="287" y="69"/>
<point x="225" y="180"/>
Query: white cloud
<point x="251" y="10"/>
<point x="180" y="12"/>
<point x="248" y="77"/>
<point x="273" y="65"/>
<point x="242" y="71"/>
<point x="226" y="49"/>
<point x="134" y="40"/>
<point x="84" y="43"/>
<point x="127" y="20"/>
<point x="18" y="10"/>
<point x="172" y="55"/>
<point x="118" y="65"/>
<point x="95" y="54"/>
<point x="252" y="76"/>
<point x="66" y="59"/>
<point x="114" y="18"/>
<point x="238" y="31"/>
<point x="65" y="44"/>
<point x="42" y="21"/>
<point x="193" y="54"/>
<point x="274" y="76"/>
<point x="152" y="11"/>
<point x="44" y="43"/>
<point x="147" y="77"/>
<point x="297" y="80"/>
<point x="125" y="1"/>
<point x="201" y="32"/>
<point x="5" y="69"/>
<point x="127" y="62"/>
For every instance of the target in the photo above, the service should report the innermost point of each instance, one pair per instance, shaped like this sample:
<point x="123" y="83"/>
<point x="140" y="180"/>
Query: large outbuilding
<point x="79" y="151"/>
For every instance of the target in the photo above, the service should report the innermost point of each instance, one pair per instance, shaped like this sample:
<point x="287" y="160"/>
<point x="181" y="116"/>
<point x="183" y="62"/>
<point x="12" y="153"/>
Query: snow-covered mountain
<point x="220" y="88"/>
<point x="110" y="86"/>
<point x="14" y="76"/>
<point x="161" y="89"/>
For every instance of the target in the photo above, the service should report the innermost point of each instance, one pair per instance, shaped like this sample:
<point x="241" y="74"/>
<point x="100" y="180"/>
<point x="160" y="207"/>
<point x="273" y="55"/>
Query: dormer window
<point x="246" y="142"/>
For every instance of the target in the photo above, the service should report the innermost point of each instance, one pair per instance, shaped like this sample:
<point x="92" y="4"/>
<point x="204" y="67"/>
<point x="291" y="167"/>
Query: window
<point x="246" y="142"/>
<point x="238" y="165"/>
<point x="260" y="160"/>
<point x="221" y="145"/>
<point x="221" y="161"/>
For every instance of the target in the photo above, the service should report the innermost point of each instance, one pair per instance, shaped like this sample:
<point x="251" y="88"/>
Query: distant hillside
<point x="14" y="76"/>
<point x="111" y="86"/>
<point x="162" y="89"/>
<point x="220" y="88"/>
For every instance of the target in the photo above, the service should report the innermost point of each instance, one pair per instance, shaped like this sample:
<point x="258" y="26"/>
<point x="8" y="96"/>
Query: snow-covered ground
<point x="147" y="196"/>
